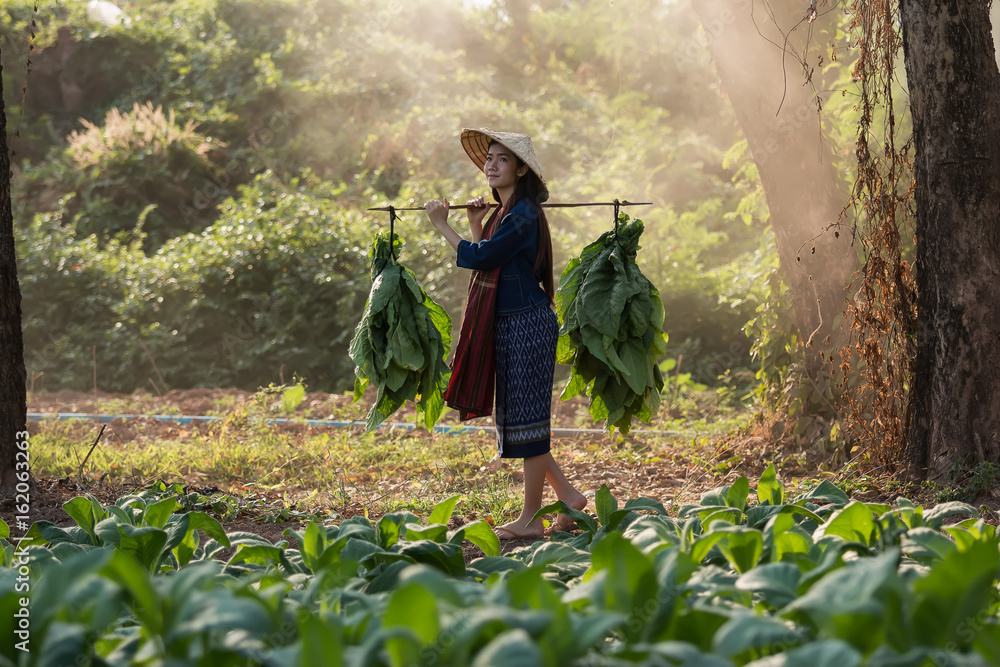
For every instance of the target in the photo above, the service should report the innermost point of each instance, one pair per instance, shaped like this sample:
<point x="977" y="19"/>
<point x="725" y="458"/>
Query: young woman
<point x="509" y="332"/>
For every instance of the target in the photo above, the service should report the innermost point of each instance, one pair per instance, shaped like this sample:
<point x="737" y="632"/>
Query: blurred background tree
<point x="784" y="66"/>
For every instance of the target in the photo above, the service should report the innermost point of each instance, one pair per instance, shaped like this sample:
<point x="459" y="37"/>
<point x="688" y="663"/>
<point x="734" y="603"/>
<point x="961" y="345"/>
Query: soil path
<point x="679" y="473"/>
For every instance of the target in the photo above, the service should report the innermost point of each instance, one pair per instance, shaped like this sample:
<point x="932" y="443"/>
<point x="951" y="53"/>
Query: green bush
<point x="136" y="160"/>
<point x="275" y="287"/>
<point x="72" y="293"/>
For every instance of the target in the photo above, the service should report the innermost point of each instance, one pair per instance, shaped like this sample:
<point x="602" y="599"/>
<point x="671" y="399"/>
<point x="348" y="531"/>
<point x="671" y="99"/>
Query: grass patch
<point x="344" y="471"/>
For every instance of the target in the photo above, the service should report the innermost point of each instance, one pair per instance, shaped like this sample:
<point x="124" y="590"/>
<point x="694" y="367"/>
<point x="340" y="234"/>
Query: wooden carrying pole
<point x="547" y="205"/>
<point x="393" y="211"/>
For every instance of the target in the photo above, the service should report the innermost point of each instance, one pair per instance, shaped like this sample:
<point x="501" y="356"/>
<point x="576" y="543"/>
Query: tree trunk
<point x="955" y="102"/>
<point x="13" y="408"/>
<point x="794" y="161"/>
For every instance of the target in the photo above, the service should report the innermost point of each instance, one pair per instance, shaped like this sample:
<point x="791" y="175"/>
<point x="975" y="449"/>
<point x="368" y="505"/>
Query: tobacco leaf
<point x="401" y="343"/>
<point x="611" y="329"/>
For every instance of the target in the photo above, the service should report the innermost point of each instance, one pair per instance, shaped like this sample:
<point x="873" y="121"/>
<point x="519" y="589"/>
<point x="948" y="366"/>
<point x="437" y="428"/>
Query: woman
<point x="510" y="330"/>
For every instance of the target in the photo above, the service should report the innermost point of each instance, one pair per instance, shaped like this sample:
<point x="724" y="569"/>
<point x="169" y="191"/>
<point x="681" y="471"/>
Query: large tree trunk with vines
<point x="13" y="410"/>
<point x="955" y="102"/>
<point x="779" y="116"/>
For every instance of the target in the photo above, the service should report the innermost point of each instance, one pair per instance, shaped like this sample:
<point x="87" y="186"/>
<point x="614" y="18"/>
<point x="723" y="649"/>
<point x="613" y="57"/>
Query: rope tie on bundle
<point x="392" y="232"/>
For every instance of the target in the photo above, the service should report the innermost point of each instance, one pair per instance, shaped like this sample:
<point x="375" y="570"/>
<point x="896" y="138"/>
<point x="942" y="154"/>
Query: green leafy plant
<point x="972" y="483"/>
<point x="223" y="505"/>
<point x="149" y="530"/>
<point x="809" y="578"/>
<point x="402" y="341"/>
<point x="612" y="329"/>
<point x="292" y="397"/>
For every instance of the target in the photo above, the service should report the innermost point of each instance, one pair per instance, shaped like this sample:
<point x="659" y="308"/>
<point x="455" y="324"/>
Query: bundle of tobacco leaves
<point x="402" y="341"/>
<point x="611" y="331"/>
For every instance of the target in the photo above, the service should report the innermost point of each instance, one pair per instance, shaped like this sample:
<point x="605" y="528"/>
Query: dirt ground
<point x="681" y="473"/>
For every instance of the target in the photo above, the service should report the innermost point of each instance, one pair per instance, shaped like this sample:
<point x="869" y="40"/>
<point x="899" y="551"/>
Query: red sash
<point x="473" y="371"/>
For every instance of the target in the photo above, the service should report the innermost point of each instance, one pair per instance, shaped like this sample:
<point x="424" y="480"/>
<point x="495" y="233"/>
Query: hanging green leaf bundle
<point x="402" y="341"/>
<point x="611" y="331"/>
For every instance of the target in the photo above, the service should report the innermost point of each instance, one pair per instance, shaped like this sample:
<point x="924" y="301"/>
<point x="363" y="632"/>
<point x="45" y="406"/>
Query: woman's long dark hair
<point x="529" y="187"/>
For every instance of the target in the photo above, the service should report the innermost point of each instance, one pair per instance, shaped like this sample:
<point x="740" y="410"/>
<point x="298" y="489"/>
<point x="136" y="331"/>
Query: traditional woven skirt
<point x="525" y="355"/>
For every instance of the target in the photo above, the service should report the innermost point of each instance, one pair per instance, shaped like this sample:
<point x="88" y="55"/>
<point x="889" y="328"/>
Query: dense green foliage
<point x="745" y="577"/>
<point x="611" y="330"/>
<point x="277" y="278"/>
<point x="137" y="166"/>
<point x="402" y="341"/>
<point x="191" y="185"/>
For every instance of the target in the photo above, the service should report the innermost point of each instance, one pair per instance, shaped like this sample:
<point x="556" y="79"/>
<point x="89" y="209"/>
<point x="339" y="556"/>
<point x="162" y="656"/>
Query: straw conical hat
<point x="476" y="143"/>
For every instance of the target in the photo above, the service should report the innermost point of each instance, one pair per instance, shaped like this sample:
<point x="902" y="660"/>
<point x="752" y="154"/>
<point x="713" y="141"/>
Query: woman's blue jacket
<point x="513" y="248"/>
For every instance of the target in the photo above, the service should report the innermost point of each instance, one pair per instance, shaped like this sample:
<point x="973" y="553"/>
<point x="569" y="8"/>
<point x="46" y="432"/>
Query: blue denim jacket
<point x="513" y="248"/>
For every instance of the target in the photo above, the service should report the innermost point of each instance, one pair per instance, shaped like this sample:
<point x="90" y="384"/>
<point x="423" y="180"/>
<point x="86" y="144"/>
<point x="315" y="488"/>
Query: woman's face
<point x="502" y="168"/>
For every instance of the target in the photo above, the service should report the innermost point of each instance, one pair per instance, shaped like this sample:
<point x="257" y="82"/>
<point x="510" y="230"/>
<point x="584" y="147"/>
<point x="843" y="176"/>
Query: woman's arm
<point x="437" y="211"/>
<point x="517" y="231"/>
<point x="478" y="209"/>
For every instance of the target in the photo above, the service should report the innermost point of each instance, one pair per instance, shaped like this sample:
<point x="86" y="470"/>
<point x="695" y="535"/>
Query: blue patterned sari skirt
<point x="525" y="346"/>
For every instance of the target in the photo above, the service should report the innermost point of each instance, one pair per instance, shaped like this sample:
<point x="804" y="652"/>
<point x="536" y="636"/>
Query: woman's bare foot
<point x="577" y="501"/>
<point x="517" y="530"/>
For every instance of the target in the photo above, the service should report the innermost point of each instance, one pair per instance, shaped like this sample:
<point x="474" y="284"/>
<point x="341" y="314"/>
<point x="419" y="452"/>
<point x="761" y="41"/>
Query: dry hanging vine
<point x="882" y="344"/>
<point x="27" y="74"/>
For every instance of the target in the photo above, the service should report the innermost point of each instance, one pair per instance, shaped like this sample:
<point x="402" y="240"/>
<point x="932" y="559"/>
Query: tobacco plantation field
<point x="244" y="541"/>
